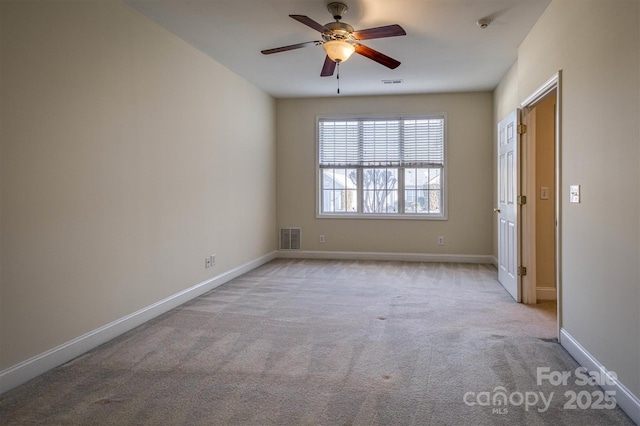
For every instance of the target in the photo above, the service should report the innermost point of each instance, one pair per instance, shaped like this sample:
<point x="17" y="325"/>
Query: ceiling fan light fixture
<point x="338" y="50"/>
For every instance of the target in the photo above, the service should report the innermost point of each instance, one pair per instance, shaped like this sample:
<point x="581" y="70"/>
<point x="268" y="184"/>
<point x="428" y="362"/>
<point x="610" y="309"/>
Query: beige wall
<point x="469" y="158"/>
<point x="126" y="159"/>
<point x="506" y="94"/>
<point x="545" y="177"/>
<point x="597" y="46"/>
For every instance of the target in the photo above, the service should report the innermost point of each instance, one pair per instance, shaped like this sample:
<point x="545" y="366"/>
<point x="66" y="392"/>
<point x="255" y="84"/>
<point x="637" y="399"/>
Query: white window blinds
<point x="382" y="142"/>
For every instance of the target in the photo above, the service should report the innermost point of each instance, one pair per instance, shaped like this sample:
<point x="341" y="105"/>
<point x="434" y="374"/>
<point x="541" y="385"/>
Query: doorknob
<point x="496" y="210"/>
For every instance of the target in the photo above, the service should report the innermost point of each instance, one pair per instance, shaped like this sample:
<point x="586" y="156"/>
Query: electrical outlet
<point x="212" y="258"/>
<point x="440" y="241"/>
<point x="207" y="262"/>
<point x="321" y="239"/>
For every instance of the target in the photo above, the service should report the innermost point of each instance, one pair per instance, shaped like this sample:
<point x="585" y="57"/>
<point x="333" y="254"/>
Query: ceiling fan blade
<point x="379" y="32"/>
<point x="328" y="68"/>
<point x="290" y="47"/>
<point x="311" y="23"/>
<point x="377" y="56"/>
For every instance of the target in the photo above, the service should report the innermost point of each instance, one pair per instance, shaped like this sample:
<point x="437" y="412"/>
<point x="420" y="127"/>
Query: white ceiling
<point x="444" y="49"/>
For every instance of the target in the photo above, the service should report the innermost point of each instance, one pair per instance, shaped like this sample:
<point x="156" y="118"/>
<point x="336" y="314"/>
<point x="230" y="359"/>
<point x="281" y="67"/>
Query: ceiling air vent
<point x="290" y="238"/>
<point x="398" y="81"/>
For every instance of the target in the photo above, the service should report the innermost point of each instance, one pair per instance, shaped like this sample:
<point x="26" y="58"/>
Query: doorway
<point x="540" y="174"/>
<point x="538" y="185"/>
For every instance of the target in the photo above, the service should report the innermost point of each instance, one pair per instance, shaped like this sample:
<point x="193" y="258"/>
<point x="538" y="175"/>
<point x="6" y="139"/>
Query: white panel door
<point x="508" y="191"/>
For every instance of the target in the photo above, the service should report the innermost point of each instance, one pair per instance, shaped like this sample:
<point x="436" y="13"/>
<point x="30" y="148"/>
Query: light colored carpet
<point x="299" y="342"/>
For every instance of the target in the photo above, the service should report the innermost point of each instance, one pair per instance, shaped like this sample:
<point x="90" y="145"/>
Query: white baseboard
<point x="546" y="293"/>
<point x="625" y="399"/>
<point x="401" y="257"/>
<point x="494" y="260"/>
<point x="33" y="367"/>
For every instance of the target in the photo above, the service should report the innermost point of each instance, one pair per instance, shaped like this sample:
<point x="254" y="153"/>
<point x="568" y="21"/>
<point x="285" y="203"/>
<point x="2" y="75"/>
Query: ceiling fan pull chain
<point x="338" y="76"/>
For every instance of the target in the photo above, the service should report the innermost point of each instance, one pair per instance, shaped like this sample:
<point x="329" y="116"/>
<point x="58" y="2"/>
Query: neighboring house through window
<point x="382" y="167"/>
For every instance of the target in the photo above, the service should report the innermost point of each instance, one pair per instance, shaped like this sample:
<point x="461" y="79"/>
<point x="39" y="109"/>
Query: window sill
<point x="379" y="216"/>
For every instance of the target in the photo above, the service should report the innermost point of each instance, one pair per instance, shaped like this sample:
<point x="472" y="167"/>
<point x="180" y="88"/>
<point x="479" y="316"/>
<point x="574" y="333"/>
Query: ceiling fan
<point x="340" y="40"/>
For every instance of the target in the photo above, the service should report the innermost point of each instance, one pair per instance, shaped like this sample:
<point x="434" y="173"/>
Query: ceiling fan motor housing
<point x="339" y="31"/>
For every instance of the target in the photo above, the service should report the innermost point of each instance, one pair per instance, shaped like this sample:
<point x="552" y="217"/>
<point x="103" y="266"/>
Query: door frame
<point x="528" y="211"/>
<point x="552" y="84"/>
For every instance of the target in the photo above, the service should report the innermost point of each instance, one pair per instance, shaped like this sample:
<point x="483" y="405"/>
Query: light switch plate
<point x="574" y="193"/>
<point x="544" y="192"/>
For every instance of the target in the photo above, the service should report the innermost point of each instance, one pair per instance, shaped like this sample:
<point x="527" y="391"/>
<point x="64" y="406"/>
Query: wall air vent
<point x="392" y="81"/>
<point x="290" y="238"/>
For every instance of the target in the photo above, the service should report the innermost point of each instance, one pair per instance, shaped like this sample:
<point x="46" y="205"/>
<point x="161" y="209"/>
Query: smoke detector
<point x="484" y="23"/>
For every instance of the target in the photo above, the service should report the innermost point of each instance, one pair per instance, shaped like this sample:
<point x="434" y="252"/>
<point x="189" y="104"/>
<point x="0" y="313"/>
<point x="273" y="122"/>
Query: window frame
<point x="400" y="215"/>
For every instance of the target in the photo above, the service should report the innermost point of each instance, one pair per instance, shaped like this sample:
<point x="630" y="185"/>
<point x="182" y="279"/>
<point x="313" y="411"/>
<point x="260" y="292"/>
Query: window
<point x="381" y="167"/>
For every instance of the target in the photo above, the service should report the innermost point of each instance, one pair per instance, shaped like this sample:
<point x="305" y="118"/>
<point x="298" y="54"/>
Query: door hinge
<point x="522" y="129"/>
<point x="522" y="271"/>
<point x="522" y="199"/>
